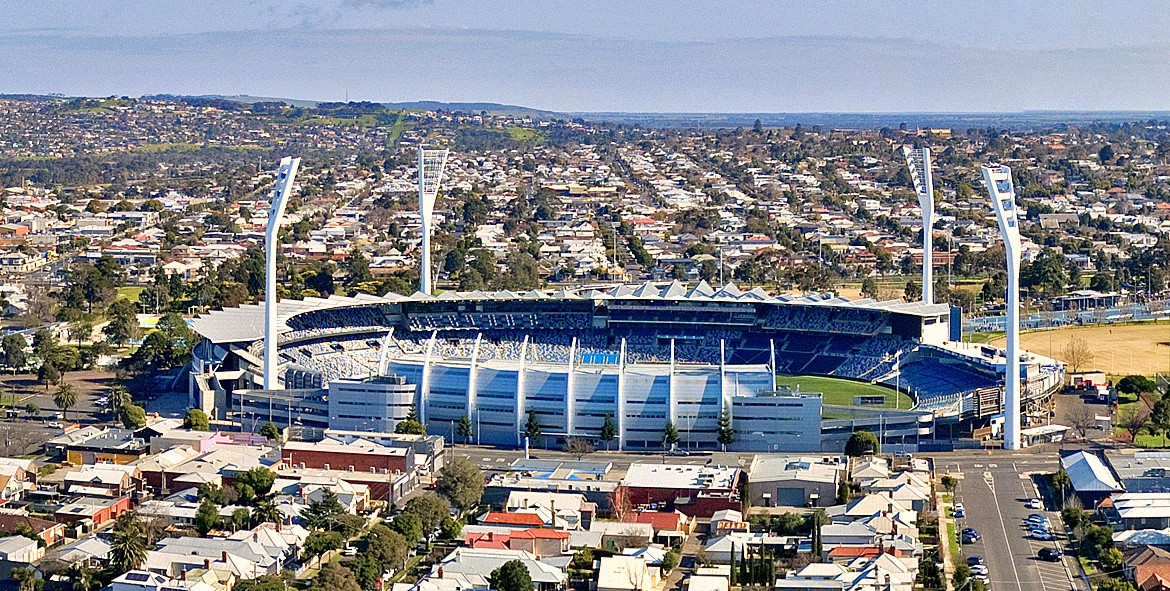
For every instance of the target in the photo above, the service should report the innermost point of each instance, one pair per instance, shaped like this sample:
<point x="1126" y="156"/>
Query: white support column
<point x="1001" y="189"/>
<point x="919" y="163"/>
<point x="424" y="389"/>
<point x="570" y="403"/>
<point x="520" y="417"/>
<point x="285" y="175"/>
<point x="430" y="175"/>
<point x="724" y="400"/>
<point x="772" y="360"/>
<point x="621" y="396"/>
<point x="472" y="383"/>
<point x="671" y="395"/>
<point x="384" y="352"/>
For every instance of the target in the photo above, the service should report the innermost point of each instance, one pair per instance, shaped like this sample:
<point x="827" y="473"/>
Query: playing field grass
<point x="840" y="392"/>
<point x="1119" y="349"/>
<point x="130" y="292"/>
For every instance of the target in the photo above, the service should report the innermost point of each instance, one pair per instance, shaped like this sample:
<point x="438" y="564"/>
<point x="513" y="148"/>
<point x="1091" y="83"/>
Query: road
<point x="994" y="490"/>
<point x="490" y="458"/>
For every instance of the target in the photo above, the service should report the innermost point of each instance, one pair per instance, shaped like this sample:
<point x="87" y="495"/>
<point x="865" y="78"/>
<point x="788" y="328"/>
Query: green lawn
<point x="525" y="134"/>
<point x="840" y="392"/>
<point x="130" y="292"/>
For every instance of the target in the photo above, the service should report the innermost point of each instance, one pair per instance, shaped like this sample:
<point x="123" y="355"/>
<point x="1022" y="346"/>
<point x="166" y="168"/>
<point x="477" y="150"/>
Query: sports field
<point x="840" y="392"/>
<point x="1119" y="349"/>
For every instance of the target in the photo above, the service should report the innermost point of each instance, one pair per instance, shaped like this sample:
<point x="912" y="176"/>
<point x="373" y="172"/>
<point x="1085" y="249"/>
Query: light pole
<point x="1001" y="189"/>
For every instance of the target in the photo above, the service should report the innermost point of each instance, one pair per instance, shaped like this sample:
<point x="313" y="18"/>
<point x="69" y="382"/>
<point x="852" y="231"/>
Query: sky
<point x="605" y="55"/>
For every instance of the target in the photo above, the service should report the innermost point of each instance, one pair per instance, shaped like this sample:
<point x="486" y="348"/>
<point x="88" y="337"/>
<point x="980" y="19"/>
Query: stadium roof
<point x="246" y="323"/>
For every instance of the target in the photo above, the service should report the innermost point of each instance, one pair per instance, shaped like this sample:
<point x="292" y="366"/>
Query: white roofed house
<point x="472" y="568"/>
<point x="627" y="573"/>
<point x="1091" y="478"/>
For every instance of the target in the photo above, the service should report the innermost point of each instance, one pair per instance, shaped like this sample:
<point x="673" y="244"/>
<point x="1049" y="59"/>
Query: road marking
<point x="993" y="465"/>
<point x="1003" y="527"/>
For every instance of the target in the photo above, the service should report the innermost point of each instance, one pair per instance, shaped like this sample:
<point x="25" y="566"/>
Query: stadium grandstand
<point x="637" y="355"/>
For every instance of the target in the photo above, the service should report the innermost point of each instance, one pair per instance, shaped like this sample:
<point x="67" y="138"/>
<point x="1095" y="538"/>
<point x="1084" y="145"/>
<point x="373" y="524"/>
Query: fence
<point x="1142" y="312"/>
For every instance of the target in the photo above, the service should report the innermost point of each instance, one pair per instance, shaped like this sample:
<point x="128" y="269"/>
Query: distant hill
<point x="491" y="108"/>
<point x="1009" y="120"/>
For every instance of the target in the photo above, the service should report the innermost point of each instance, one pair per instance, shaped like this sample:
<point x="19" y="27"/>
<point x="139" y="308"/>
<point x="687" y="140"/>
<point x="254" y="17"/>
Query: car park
<point x="1049" y="554"/>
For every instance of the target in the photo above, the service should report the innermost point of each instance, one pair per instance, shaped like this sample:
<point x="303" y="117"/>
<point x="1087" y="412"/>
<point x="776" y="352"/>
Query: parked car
<point x="1042" y="535"/>
<point x="678" y="452"/>
<point x="1038" y="517"/>
<point x="56" y="425"/>
<point x="960" y="512"/>
<point x="979" y="569"/>
<point x="975" y="560"/>
<point x="983" y="579"/>
<point x="1035" y="504"/>
<point x="1049" y="554"/>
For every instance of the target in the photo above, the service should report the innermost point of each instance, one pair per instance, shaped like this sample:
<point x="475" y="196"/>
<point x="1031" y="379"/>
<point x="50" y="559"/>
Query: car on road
<point x="678" y="452"/>
<point x="975" y="560"/>
<point x="1049" y="554"/>
<point x="1042" y="535"/>
<point x="1035" y="504"/>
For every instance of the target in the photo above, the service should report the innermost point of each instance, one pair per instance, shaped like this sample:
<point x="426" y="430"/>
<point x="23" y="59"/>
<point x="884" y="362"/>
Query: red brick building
<point x="356" y="456"/>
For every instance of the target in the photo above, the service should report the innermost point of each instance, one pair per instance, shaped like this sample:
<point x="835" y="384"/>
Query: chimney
<point x="223" y="556"/>
<point x="207" y="563"/>
<point x="183" y="575"/>
<point x="440" y="572"/>
<point x="255" y="537"/>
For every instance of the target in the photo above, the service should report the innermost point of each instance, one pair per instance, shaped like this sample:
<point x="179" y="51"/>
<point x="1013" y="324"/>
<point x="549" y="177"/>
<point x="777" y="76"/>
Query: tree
<point x="80" y="329"/>
<point x="258" y="479"/>
<point x="13" y="347"/>
<point x="669" y="435"/>
<point x="1105" y="154"/>
<point x="950" y="483"/>
<point x="1133" y="419"/>
<point x="409" y="525"/>
<point x="725" y="434"/>
<point x="240" y="518"/>
<point x="1077" y="354"/>
<point x="579" y="447"/>
<point x="65" y="398"/>
<point x="127" y="543"/>
<point x="670" y="560"/>
<point x="410" y="427"/>
<point x="320" y="542"/>
<point x="431" y="510"/>
<point x="196" y="420"/>
<point x="43" y="343"/>
<point x="266" y="511"/>
<point x="912" y="292"/>
<point x="1114" y="584"/>
<point x="1081" y="419"/>
<point x="862" y="443"/>
<point x="1061" y="482"/>
<point x="532" y="428"/>
<point x="123" y="325"/>
<point x="1134" y="384"/>
<point x="48" y="374"/>
<point x="387" y="546"/>
<point x="842" y="492"/>
<point x="1160" y="418"/>
<point x="32" y="410"/>
<point x="608" y="431"/>
<point x="206" y="517"/>
<point x="334" y="577"/>
<point x="511" y="576"/>
<point x="322" y="513"/>
<point x="27" y="579"/>
<point x="270" y="431"/>
<point x="84" y="578"/>
<point x="133" y="416"/>
<point x="461" y="482"/>
<point x="466" y="431"/>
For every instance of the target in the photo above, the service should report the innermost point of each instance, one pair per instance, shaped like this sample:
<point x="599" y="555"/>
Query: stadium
<point x="639" y="355"/>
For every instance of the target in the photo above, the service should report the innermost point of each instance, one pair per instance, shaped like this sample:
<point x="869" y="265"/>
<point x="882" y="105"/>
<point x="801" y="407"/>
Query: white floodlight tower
<point x="1002" y="191"/>
<point x="431" y="163"/>
<point x="919" y="163"/>
<point x="280" y="192"/>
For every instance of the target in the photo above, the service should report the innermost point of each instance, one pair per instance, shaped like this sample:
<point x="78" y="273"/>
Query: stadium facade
<point x="637" y="355"/>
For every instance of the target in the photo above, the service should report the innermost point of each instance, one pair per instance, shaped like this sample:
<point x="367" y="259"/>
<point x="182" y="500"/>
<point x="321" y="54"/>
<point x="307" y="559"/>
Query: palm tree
<point x="266" y="511"/>
<point x="65" y="398"/>
<point x="128" y="545"/>
<point x="83" y="578"/>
